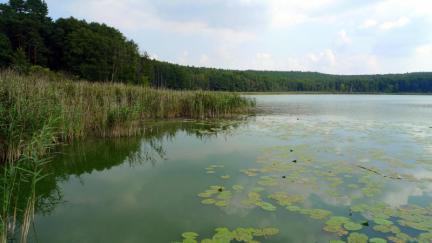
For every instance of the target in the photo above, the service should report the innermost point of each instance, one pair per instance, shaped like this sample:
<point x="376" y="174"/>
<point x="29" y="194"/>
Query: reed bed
<point x="36" y="111"/>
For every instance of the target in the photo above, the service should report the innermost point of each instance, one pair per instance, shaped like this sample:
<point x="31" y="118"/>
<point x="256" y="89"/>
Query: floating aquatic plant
<point x="382" y="221"/>
<point x="334" y="225"/>
<point x="224" y="235"/>
<point x="266" y="206"/>
<point x="377" y="240"/>
<point x="250" y="172"/>
<point x="425" y="237"/>
<point x="190" y="237"/>
<point x="267" y="181"/>
<point x="238" y="188"/>
<point x="284" y="199"/>
<point x="357" y="238"/>
<point x="208" y="201"/>
<point x="216" y="195"/>
<point x="351" y="226"/>
<point x="316" y="213"/>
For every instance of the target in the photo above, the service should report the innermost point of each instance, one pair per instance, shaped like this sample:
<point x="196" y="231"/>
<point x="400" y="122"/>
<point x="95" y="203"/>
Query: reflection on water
<point x="317" y="167"/>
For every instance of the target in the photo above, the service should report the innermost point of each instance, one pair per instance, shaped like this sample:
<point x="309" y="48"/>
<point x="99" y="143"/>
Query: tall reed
<point x="33" y="108"/>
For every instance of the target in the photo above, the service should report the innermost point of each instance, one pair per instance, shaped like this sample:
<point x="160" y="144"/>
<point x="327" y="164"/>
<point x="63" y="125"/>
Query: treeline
<point x="177" y="76"/>
<point x="97" y="52"/>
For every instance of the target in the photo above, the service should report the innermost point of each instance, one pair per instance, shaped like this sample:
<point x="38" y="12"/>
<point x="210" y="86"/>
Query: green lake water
<point x="315" y="167"/>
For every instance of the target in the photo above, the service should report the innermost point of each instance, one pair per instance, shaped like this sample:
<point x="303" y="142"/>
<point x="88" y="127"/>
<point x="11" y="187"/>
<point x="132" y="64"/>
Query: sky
<point x="331" y="36"/>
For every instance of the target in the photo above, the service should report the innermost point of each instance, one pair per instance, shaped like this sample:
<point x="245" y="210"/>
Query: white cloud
<point x="264" y="61"/>
<point x="385" y="25"/>
<point x="316" y="35"/>
<point x="421" y="60"/>
<point x="326" y="57"/>
<point x="424" y="50"/>
<point x="135" y="16"/>
<point x="285" y="13"/>
<point x="368" y="23"/>
<point x="204" y="60"/>
<point x="183" y="58"/>
<point x="401" y="22"/>
<point x="344" y="38"/>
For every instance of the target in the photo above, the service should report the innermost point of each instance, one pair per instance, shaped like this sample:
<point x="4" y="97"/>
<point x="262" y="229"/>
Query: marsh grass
<point x="37" y="109"/>
<point x="18" y="196"/>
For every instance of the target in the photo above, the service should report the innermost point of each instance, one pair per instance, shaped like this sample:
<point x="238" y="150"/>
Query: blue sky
<point x="332" y="36"/>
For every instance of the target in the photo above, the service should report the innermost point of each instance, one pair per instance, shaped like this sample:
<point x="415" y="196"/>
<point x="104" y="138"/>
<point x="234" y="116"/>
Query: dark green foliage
<point x="19" y="61"/>
<point x="5" y="51"/>
<point x="274" y="81"/>
<point x="97" y="52"/>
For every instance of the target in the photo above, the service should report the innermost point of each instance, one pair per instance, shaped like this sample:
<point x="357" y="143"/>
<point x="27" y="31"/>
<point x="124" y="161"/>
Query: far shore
<point x="327" y="93"/>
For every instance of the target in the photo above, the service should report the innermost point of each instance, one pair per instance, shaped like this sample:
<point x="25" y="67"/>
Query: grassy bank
<point x="35" y="111"/>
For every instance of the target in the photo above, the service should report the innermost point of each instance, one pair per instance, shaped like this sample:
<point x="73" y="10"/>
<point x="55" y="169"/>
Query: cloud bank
<point x="332" y="36"/>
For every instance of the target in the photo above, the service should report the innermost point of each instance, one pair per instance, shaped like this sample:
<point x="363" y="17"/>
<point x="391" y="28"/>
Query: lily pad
<point x="266" y="206"/>
<point x="357" y="238"/>
<point x="224" y="235"/>
<point x="293" y="208"/>
<point x="351" y="226"/>
<point x="377" y="240"/>
<point x="221" y="203"/>
<point x="334" y="225"/>
<point x="190" y="235"/>
<point x="381" y="221"/>
<point x="317" y="213"/>
<point x="208" y="201"/>
<point x="238" y="188"/>
<point x="224" y="195"/>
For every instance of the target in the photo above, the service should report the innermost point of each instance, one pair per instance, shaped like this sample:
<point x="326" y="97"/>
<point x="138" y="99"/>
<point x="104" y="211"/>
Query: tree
<point x="5" y="51"/>
<point x="20" y="62"/>
<point x="37" y="9"/>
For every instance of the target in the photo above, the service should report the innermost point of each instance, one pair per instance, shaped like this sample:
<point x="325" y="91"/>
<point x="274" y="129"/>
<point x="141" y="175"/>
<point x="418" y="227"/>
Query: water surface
<point x="301" y="164"/>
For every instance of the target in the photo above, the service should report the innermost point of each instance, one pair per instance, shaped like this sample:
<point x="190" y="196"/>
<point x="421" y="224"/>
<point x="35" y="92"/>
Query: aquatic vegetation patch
<point x="284" y="199"/>
<point x="212" y="168"/>
<point x="224" y="235"/>
<point x="407" y="217"/>
<point x="216" y="195"/>
<point x="238" y="188"/>
<point x="351" y="226"/>
<point x="250" y="172"/>
<point x="377" y="240"/>
<point x="316" y="213"/>
<point x="339" y="175"/>
<point x="335" y="225"/>
<point x="357" y="238"/>
<point x="268" y="181"/>
<point x="254" y="199"/>
<point x="382" y="221"/>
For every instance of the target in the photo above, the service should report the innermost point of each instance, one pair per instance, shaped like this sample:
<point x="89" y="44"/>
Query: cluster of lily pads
<point x="224" y="235"/>
<point x="216" y="195"/>
<point x="392" y="221"/>
<point x="352" y="178"/>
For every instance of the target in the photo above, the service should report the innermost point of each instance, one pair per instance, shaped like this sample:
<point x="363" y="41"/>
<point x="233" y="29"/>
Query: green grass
<point x="36" y="111"/>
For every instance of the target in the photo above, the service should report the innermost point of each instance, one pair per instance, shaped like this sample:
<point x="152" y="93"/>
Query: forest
<point x="31" y="41"/>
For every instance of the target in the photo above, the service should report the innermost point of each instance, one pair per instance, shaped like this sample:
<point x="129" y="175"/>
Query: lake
<point x="305" y="168"/>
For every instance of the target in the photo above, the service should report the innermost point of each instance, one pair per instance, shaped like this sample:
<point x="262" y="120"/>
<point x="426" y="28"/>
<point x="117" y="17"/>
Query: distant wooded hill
<point x="97" y="52"/>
